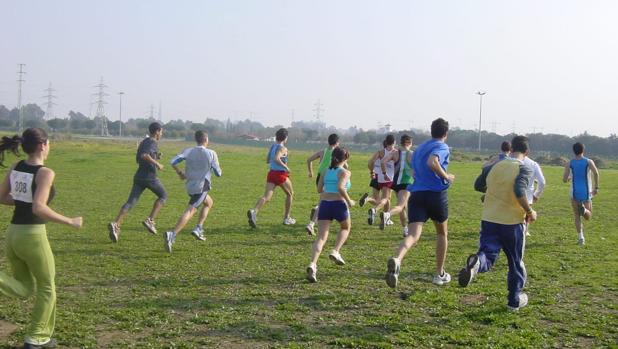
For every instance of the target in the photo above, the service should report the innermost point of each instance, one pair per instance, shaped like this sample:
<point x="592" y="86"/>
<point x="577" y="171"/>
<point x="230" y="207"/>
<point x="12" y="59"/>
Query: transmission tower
<point x="160" y="113"/>
<point x="152" y="112"/>
<point x="100" y="107"/>
<point x="318" y="110"/>
<point x="20" y="80"/>
<point x="49" y="112"/>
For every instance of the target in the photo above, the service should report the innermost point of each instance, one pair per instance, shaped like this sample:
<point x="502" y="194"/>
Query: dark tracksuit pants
<point x="511" y="239"/>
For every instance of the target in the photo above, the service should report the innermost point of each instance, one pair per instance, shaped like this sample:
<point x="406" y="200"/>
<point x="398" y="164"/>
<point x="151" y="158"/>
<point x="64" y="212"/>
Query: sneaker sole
<point x="112" y="236"/>
<point x="466" y="274"/>
<point x="382" y="222"/>
<point x="335" y="260"/>
<point x="251" y="222"/>
<point x="197" y="236"/>
<point x="310" y="277"/>
<point x="361" y="201"/>
<point x="391" y="277"/>
<point x="370" y="218"/>
<point x="309" y="231"/>
<point x="150" y="230"/>
<point x="166" y="244"/>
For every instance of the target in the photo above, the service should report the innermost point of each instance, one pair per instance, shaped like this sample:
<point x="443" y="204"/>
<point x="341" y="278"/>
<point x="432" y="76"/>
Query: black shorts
<point x="423" y="205"/>
<point x="398" y="187"/>
<point x="196" y="200"/>
<point x="374" y="183"/>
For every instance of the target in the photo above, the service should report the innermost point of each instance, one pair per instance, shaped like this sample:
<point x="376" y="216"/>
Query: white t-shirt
<point x="537" y="176"/>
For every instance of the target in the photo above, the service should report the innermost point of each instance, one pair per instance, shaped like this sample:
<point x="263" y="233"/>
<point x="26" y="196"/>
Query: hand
<point x="351" y="203"/>
<point x="159" y="166"/>
<point x="387" y="178"/>
<point x="181" y="175"/>
<point x="450" y="178"/>
<point x="531" y="216"/>
<point x="76" y="222"/>
<point x="594" y="192"/>
<point x="310" y="175"/>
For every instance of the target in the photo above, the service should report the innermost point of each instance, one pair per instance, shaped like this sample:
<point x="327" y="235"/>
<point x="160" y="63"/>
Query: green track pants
<point x="31" y="258"/>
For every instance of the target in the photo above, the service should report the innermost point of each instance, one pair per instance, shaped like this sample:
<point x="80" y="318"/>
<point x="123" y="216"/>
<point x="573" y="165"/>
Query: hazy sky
<point x="549" y="66"/>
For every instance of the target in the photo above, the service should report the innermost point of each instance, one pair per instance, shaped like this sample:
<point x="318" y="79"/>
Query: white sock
<point x="581" y="234"/>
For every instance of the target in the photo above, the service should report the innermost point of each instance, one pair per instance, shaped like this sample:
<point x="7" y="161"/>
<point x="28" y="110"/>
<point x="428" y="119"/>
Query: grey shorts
<point x="139" y="185"/>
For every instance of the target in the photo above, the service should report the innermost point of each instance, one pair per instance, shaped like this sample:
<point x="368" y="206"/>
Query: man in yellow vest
<point x="505" y="213"/>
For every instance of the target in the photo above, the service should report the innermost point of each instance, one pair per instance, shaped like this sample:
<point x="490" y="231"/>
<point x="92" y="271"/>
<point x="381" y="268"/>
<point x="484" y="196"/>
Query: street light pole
<point x="481" y="94"/>
<point x="120" y="117"/>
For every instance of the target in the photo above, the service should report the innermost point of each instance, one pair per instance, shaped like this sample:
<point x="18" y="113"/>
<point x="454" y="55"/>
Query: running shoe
<point x="581" y="241"/>
<point x="170" y="237"/>
<point x="405" y="231"/>
<point x="384" y="217"/>
<point x="114" y="231"/>
<point x="150" y="225"/>
<point x="371" y="216"/>
<point x="310" y="229"/>
<point x="311" y="273"/>
<point x="198" y="232"/>
<point x="363" y="199"/>
<point x="440" y="280"/>
<point x="252" y="216"/>
<point x="523" y="301"/>
<point x="289" y="221"/>
<point x="336" y="257"/>
<point x="467" y="273"/>
<point x="389" y="221"/>
<point x="392" y="272"/>
<point x="50" y="344"/>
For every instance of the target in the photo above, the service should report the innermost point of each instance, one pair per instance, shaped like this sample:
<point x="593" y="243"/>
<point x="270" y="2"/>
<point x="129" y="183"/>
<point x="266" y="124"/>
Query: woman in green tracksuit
<point x="28" y="186"/>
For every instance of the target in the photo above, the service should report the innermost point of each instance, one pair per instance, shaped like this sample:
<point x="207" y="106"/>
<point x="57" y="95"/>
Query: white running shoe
<point x="310" y="229"/>
<point x="150" y="225"/>
<point x="440" y="280"/>
<point x="170" y="237"/>
<point x="467" y="273"/>
<point x="389" y="221"/>
<point x="114" y="231"/>
<point x="312" y="270"/>
<point x="289" y="221"/>
<point x="384" y="217"/>
<point x="523" y="301"/>
<point x="581" y="241"/>
<point x="198" y="233"/>
<point x="392" y="272"/>
<point x="371" y="216"/>
<point x="252" y="218"/>
<point x="405" y="231"/>
<point x="336" y="257"/>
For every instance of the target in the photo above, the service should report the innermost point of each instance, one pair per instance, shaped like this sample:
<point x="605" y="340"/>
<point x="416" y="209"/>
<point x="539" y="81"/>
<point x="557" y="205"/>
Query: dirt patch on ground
<point x="106" y="338"/>
<point x="475" y="299"/>
<point x="6" y="329"/>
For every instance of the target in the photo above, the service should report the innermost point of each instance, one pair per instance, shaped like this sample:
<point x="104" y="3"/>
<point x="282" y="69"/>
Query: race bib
<point x="21" y="186"/>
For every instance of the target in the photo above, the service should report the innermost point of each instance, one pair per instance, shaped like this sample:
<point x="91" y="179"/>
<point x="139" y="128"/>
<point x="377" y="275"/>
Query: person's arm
<point x="522" y="181"/>
<point x="434" y="164"/>
<point x="394" y="156"/>
<point x="344" y="176"/>
<point x="176" y="161"/>
<point x="278" y="156"/>
<point x="311" y="159"/>
<point x="321" y="185"/>
<point x="480" y="184"/>
<point x="5" y="189"/>
<point x="372" y="161"/>
<point x="215" y="165"/>
<point x="540" y="180"/>
<point x="566" y="175"/>
<point x="595" y="176"/>
<point x="44" y="180"/>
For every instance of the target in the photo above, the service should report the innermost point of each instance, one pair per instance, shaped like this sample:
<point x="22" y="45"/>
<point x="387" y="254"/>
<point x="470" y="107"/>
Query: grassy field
<point x="245" y="288"/>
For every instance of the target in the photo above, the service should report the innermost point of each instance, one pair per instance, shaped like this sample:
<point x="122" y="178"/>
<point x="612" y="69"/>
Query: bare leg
<point x="323" y="227"/>
<point x="588" y="207"/>
<point x="578" y="221"/>
<point x="268" y="194"/>
<point x="414" y="234"/>
<point x="123" y="212"/>
<point x="441" y="245"/>
<point x="208" y="203"/>
<point x="385" y="197"/>
<point x="343" y="233"/>
<point x="289" y="192"/>
<point x="184" y="218"/>
<point x="156" y="208"/>
<point x="403" y="215"/>
<point x="374" y="199"/>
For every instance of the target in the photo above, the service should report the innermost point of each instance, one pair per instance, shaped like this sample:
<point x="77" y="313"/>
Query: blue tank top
<point x="331" y="181"/>
<point x="580" y="179"/>
<point x="274" y="166"/>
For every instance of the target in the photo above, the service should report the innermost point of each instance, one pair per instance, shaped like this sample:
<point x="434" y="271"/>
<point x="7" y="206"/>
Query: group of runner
<point x="420" y="179"/>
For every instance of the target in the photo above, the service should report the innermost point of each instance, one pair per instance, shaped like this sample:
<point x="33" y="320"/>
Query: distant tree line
<point x="300" y="132"/>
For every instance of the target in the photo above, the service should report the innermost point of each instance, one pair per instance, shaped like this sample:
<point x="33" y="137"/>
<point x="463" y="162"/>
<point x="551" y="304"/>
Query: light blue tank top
<point x="274" y="166"/>
<point x="581" y="182"/>
<point x="331" y="181"/>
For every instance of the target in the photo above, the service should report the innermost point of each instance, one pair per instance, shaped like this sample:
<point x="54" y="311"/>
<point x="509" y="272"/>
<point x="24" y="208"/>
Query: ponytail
<point x="9" y="144"/>
<point x="338" y="156"/>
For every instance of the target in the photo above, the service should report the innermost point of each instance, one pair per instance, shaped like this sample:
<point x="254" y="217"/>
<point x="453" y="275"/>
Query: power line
<point x="49" y="112"/>
<point x="318" y="110"/>
<point x="101" y="108"/>
<point x="20" y="80"/>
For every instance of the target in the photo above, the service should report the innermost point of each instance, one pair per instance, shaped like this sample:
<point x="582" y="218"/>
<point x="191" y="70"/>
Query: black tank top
<point x="23" y="187"/>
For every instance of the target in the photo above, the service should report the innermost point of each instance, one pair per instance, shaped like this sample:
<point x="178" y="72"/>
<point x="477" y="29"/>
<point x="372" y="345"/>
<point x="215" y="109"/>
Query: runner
<point x="201" y="162"/>
<point x="428" y="199"/>
<point x="29" y="186"/>
<point x="579" y="171"/>
<point x="505" y="213"/>
<point x="505" y="152"/>
<point x="334" y="204"/>
<point x="403" y="178"/>
<point x="147" y="157"/>
<point x="533" y="195"/>
<point x="277" y="159"/>
<point x="324" y="156"/>
<point x="381" y="180"/>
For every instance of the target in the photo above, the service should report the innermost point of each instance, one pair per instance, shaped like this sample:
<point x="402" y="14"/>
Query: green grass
<point x="244" y="288"/>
